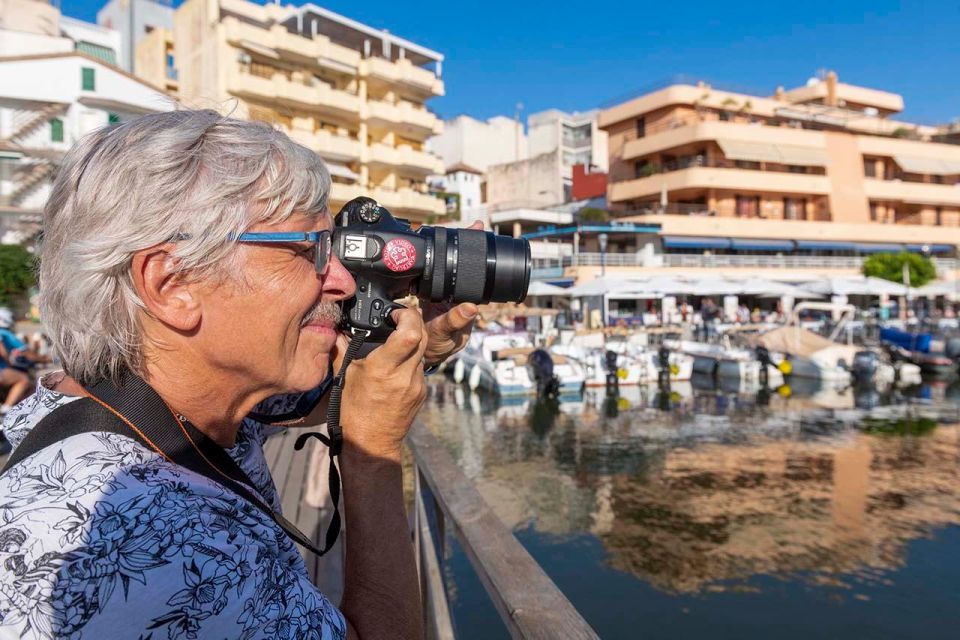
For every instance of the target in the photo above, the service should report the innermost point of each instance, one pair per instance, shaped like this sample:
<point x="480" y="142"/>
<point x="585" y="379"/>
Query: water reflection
<point x="697" y="489"/>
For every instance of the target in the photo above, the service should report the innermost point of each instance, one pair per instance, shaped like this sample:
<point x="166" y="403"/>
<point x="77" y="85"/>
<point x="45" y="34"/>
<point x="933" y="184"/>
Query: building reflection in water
<point x="715" y="491"/>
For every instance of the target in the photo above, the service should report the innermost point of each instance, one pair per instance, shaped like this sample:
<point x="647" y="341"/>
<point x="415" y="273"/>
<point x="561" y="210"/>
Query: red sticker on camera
<point x="399" y="255"/>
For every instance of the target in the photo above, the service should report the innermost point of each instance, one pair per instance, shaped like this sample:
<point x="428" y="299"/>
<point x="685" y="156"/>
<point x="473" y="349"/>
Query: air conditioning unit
<point x="243" y="57"/>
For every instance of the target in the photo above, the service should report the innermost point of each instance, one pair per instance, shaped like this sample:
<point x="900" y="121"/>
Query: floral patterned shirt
<point x="102" y="538"/>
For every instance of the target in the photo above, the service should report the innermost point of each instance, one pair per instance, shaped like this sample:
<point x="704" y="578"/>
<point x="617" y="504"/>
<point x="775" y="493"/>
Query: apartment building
<point x="354" y="94"/>
<point x="135" y="21"/>
<point x="479" y="144"/>
<point x="820" y="173"/>
<point x="575" y="136"/>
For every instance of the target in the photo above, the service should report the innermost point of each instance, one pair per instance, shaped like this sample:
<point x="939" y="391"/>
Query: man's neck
<point x="216" y="412"/>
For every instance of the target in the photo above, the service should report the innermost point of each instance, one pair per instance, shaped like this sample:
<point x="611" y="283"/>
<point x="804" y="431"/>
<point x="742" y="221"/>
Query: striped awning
<point x="98" y="51"/>
<point x="927" y="165"/>
<point x="750" y="151"/>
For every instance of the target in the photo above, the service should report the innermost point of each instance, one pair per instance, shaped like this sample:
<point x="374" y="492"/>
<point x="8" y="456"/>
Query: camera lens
<point x="475" y="266"/>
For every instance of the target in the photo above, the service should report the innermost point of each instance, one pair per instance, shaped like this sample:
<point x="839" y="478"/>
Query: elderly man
<point x="151" y="272"/>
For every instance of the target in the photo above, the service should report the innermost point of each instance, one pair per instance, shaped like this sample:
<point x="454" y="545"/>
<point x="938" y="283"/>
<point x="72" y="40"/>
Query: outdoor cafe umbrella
<point x="763" y="288"/>
<point x="538" y="288"/>
<point x="863" y="286"/>
<point x="939" y="288"/>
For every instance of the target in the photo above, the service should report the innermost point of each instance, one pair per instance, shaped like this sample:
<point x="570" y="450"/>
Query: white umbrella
<point x="600" y="286"/>
<point x="939" y="288"/>
<point x="772" y="289"/>
<point x="856" y="287"/>
<point x="538" y="288"/>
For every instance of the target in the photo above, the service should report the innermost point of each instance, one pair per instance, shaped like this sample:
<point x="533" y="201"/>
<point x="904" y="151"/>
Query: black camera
<point x="390" y="260"/>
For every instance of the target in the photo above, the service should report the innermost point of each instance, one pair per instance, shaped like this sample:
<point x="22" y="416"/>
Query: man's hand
<point x="448" y="326"/>
<point x="384" y="391"/>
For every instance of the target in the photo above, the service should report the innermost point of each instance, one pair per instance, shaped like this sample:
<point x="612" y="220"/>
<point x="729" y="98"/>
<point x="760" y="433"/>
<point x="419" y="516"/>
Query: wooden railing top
<point x="529" y="603"/>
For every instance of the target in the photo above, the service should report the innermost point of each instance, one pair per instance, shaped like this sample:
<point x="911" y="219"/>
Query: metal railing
<point x="529" y="603"/>
<point x="708" y="261"/>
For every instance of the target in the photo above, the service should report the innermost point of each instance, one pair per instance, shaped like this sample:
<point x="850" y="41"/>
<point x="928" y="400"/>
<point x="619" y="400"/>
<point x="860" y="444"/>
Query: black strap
<point x="153" y="424"/>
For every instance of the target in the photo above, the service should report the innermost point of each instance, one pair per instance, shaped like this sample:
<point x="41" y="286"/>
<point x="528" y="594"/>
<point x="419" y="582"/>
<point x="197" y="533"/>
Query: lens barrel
<point x="475" y="266"/>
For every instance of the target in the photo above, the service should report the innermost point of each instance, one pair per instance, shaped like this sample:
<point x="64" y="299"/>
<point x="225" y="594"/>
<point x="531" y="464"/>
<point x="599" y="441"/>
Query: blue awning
<point x="879" y="248"/>
<point x="761" y="245"/>
<point x="692" y="242"/>
<point x="825" y="245"/>
<point x="932" y="248"/>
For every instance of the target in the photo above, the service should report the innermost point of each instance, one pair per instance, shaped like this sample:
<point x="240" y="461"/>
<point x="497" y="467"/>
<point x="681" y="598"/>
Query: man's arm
<point x="382" y="395"/>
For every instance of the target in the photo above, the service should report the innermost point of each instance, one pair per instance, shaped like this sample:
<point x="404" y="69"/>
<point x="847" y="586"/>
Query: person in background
<point x="15" y="362"/>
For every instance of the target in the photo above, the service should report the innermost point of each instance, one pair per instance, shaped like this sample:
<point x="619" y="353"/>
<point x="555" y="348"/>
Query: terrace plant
<point x="16" y="271"/>
<point x="890" y="266"/>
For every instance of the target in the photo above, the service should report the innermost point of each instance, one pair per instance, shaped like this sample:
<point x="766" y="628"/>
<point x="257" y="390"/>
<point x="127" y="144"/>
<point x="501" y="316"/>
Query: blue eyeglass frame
<point x="322" y="239"/>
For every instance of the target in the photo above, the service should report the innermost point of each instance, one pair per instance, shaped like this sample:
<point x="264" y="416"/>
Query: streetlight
<point x="602" y="238"/>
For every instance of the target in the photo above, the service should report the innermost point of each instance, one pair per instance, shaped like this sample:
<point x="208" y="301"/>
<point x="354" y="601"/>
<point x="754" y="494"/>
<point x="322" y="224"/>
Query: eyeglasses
<point x="323" y="243"/>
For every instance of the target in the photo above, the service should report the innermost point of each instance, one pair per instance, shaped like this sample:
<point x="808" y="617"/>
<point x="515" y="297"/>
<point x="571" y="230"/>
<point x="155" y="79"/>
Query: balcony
<point x="341" y="193"/>
<point x="405" y="73"/>
<point x="316" y="96"/>
<point x="277" y="42"/>
<point x="689" y="129"/>
<point x="912" y="192"/>
<point x="408" y="200"/>
<point x="406" y="157"/>
<point x="416" y="120"/>
<point x="719" y="178"/>
<point x="705" y="261"/>
<point x="328" y="146"/>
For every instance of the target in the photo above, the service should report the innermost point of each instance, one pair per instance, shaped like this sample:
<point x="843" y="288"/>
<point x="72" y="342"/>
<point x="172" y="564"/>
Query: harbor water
<point x="700" y="512"/>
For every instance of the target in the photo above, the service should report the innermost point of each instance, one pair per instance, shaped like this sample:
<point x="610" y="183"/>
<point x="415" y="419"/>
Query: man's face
<point x="262" y="323"/>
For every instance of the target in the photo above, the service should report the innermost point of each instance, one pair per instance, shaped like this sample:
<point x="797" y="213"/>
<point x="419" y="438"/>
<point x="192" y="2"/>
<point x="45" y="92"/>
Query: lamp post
<point x="602" y="239"/>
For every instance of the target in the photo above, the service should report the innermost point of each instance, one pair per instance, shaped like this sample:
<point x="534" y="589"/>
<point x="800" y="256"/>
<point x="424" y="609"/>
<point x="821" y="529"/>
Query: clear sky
<point x="579" y="55"/>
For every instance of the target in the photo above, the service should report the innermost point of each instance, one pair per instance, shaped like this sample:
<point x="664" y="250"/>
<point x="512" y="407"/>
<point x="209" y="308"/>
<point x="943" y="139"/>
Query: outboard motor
<point x="952" y="348"/>
<point x="663" y="363"/>
<point x="865" y="366"/>
<point x="610" y="366"/>
<point x="763" y="357"/>
<point x="540" y="366"/>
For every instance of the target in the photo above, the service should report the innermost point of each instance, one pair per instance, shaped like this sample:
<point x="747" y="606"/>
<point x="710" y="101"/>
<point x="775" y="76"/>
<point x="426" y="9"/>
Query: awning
<point x="692" y="242"/>
<point x="803" y="156"/>
<point x="761" y="245"/>
<point x="825" y="245"/>
<point x="752" y="151"/>
<point x="779" y="153"/>
<point x="98" y="51"/>
<point x="879" y="248"/>
<point x="263" y="50"/>
<point x="341" y="171"/>
<point x="932" y="248"/>
<point x="931" y="166"/>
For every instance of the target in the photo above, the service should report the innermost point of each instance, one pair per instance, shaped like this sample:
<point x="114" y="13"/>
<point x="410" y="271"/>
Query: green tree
<point x="889" y="266"/>
<point x="16" y="271"/>
<point x="592" y="214"/>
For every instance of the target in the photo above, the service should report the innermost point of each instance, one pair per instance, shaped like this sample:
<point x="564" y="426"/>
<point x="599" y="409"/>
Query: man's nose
<point x="338" y="284"/>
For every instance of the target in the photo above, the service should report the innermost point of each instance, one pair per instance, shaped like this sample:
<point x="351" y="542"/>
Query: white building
<point x="134" y="20"/>
<point x="29" y="27"/>
<point x="575" y="135"/>
<point x="479" y="144"/>
<point x="466" y="181"/>
<point x="47" y="103"/>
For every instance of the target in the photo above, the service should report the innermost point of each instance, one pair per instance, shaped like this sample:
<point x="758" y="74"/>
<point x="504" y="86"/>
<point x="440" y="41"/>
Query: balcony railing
<point x="705" y="261"/>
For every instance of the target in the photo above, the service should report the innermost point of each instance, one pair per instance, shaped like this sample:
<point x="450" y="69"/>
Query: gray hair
<point x="124" y="188"/>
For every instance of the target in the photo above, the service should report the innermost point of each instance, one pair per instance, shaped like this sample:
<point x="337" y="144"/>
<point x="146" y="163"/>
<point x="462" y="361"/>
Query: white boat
<point x="727" y="363"/>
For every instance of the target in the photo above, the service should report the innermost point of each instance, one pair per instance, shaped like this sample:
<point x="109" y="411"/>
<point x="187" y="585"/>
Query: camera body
<point x="390" y="260"/>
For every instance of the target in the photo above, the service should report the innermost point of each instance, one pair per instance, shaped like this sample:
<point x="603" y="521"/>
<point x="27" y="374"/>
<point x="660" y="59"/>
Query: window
<point x="148" y="28"/>
<point x="870" y="167"/>
<point x="56" y="130"/>
<point x="747" y="164"/>
<point x="794" y="208"/>
<point x="89" y="82"/>
<point x="748" y="206"/>
<point x="113" y="118"/>
<point x="873" y="212"/>
<point x="795" y="168"/>
<point x="641" y="127"/>
<point x="939" y="214"/>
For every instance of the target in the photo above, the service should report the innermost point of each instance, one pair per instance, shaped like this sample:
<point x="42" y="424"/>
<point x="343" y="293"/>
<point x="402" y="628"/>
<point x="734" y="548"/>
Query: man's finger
<point x="456" y="319"/>
<point x="406" y="339"/>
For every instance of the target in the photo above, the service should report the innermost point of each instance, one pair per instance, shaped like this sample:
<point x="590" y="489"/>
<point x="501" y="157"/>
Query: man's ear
<point x="167" y="295"/>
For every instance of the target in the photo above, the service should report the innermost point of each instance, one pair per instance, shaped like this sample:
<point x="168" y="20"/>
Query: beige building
<point x="823" y="167"/>
<point x="354" y="94"/>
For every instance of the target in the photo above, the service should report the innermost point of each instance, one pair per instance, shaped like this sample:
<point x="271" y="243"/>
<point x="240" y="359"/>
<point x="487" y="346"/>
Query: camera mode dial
<point x="370" y="212"/>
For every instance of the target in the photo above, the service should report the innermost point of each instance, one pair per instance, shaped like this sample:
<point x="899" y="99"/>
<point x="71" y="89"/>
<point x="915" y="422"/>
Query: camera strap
<point x="133" y="409"/>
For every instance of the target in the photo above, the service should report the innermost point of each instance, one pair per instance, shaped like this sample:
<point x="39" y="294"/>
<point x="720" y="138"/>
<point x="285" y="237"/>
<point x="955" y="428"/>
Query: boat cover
<point x="794" y="341"/>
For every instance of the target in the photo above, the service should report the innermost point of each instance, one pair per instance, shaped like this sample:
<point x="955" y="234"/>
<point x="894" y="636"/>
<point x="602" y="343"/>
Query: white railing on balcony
<point x="704" y="261"/>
